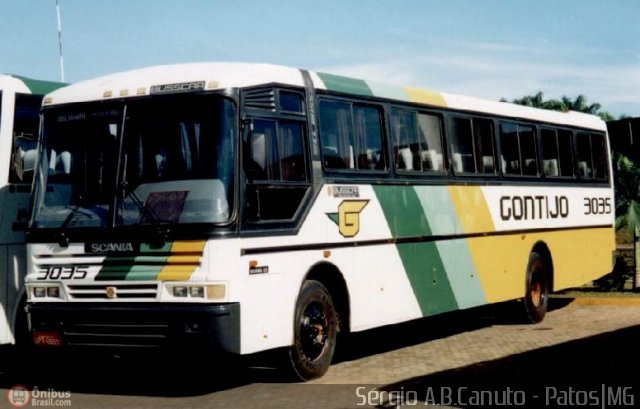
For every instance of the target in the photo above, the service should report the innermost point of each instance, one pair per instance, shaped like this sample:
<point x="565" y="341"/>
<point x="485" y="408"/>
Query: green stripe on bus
<point x="115" y="268"/>
<point x="38" y="86"/>
<point x="142" y="272"/>
<point x="422" y="262"/>
<point x="348" y="85"/>
<point x="148" y="248"/>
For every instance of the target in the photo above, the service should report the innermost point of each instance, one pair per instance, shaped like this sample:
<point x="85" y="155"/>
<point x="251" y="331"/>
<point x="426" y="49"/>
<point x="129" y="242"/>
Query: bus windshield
<point x="175" y="155"/>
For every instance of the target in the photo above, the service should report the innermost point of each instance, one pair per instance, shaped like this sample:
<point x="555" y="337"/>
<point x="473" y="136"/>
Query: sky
<point x="489" y="49"/>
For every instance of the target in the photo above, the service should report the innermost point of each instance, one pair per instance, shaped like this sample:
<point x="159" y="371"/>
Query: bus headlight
<point x="180" y="291"/>
<point x="198" y="291"/>
<point x="45" y="291"/>
<point x="53" y="292"/>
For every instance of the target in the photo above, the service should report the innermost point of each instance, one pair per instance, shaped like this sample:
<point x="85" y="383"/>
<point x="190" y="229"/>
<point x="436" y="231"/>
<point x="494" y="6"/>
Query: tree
<point x="564" y="104"/>
<point x="627" y="177"/>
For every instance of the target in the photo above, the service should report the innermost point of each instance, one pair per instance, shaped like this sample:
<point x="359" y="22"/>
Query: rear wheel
<point x="536" y="299"/>
<point x="315" y="331"/>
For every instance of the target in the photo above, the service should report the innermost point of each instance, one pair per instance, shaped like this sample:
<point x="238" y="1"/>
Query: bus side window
<point x="592" y="155"/>
<point x="598" y="149"/>
<point x="417" y="141"/>
<point x="368" y="133"/>
<point x="430" y="136"/>
<point x="275" y="166"/>
<point x="557" y="155"/>
<point x="528" y="152"/>
<point x="583" y="145"/>
<point x="336" y="135"/>
<point x="472" y="146"/>
<point x="462" y="146"/>
<point x="351" y="136"/>
<point x="518" y="152"/>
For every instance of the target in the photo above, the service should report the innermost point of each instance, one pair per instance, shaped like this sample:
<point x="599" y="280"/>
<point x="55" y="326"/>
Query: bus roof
<point x="25" y="85"/>
<point x="222" y="75"/>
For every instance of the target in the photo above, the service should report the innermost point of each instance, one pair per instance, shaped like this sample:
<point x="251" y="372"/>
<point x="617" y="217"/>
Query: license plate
<point x="51" y="339"/>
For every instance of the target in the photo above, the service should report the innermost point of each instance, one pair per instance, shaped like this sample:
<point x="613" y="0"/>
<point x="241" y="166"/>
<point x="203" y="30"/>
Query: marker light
<point x="216" y="291"/>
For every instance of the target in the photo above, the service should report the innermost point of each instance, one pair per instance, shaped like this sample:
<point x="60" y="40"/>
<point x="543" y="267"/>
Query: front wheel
<point x="315" y="330"/>
<point x="536" y="299"/>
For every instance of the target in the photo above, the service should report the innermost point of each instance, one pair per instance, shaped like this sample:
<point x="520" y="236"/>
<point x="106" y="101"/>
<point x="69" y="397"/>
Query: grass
<point x="593" y="292"/>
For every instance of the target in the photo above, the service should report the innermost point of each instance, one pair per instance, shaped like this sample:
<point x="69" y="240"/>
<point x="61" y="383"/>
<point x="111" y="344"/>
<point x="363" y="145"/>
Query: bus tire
<point x="536" y="299"/>
<point x="315" y="332"/>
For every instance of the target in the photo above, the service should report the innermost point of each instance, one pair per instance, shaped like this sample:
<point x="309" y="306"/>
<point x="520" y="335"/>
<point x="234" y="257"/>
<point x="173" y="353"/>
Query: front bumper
<point x="214" y="327"/>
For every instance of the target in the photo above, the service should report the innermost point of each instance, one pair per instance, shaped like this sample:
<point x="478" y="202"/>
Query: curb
<point x="620" y="301"/>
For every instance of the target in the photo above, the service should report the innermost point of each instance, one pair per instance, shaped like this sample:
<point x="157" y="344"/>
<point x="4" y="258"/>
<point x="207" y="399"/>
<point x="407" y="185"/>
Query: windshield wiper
<point x="147" y="213"/>
<point x="63" y="239"/>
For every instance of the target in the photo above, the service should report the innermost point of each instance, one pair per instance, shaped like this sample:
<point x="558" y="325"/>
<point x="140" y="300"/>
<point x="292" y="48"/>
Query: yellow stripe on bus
<point x="425" y="97"/>
<point x="471" y="209"/>
<point x="175" y="273"/>
<point x="188" y="246"/>
<point x="473" y="216"/>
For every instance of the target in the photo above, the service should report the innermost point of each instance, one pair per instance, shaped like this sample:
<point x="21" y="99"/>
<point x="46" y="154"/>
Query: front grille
<point x="104" y="334"/>
<point x="113" y="291"/>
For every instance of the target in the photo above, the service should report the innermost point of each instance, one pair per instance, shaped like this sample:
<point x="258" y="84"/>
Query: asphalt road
<point x="581" y="354"/>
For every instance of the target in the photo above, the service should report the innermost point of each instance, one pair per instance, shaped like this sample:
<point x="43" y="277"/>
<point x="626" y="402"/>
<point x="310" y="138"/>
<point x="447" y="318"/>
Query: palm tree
<point x="564" y="104"/>
<point x="536" y="101"/>
<point x="627" y="196"/>
<point x="580" y="105"/>
<point x="627" y="178"/>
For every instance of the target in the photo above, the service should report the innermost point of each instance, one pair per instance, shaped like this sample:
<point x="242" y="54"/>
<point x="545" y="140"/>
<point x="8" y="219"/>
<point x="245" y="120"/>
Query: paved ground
<point x="581" y="353"/>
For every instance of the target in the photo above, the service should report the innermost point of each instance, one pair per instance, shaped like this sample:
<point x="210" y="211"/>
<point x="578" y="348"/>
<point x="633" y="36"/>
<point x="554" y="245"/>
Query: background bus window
<point x="518" y="149"/>
<point x="351" y="136"/>
<point x="26" y="121"/>
<point x="557" y="157"/>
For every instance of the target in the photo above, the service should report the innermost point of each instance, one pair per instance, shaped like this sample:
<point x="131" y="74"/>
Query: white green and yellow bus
<point x="20" y="101"/>
<point x="251" y="207"/>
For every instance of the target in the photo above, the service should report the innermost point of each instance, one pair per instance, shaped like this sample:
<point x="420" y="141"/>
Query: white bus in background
<point x="20" y="101"/>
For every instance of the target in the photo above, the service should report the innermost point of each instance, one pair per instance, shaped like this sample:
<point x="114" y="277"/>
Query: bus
<point x="20" y="101"/>
<point x="248" y="207"/>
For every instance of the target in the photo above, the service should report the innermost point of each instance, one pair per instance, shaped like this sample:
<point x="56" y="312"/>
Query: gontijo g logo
<point x="348" y="217"/>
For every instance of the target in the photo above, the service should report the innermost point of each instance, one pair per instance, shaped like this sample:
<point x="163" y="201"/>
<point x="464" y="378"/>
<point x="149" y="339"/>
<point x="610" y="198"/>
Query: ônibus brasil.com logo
<point x="18" y="396"/>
